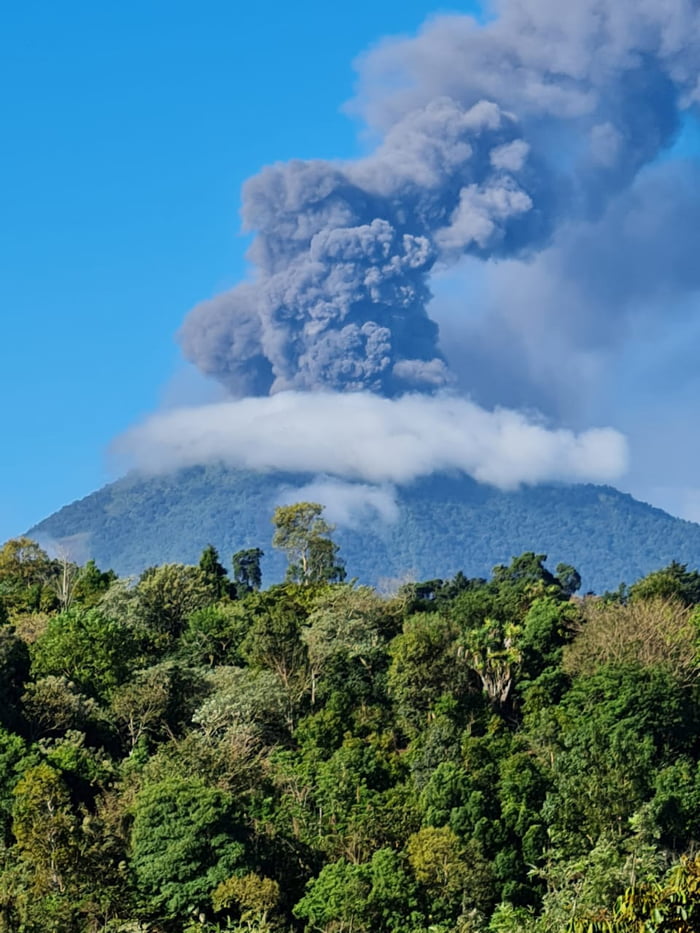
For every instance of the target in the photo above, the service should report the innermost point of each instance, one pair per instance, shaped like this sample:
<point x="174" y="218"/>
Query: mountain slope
<point x="445" y="524"/>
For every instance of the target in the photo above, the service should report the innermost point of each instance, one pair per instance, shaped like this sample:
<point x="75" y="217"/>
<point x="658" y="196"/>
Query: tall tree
<point x="305" y="537"/>
<point x="214" y="571"/>
<point x="246" y="569"/>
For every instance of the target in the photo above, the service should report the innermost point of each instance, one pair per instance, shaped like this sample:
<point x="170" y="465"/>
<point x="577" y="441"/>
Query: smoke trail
<point x="489" y="135"/>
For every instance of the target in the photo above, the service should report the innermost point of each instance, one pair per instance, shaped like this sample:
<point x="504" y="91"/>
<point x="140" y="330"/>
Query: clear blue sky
<point x="127" y="131"/>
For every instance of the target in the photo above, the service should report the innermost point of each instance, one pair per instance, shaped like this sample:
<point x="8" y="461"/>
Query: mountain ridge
<point x="444" y="524"/>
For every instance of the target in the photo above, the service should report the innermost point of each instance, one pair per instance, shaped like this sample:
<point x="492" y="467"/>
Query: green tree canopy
<point x="185" y="841"/>
<point x="246" y="569"/>
<point x="305" y="537"/>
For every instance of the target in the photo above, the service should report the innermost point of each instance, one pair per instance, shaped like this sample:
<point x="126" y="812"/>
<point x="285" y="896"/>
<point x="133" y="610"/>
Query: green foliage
<point x="157" y="703"/>
<point x="167" y="595"/>
<point x="213" y="635"/>
<point x="91" y="584"/>
<point x="246" y="569"/>
<point x="14" y="672"/>
<point x="214" y="572"/>
<point x="14" y="759"/>
<point x="185" y="841"/>
<point x="674" y="582"/>
<point x="86" y="647"/>
<point x="346" y="625"/>
<point x="376" y="895"/>
<point x="26" y="575"/>
<point x="668" y="906"/>
<point x="305" y="539"/>
<point x="240" y="698"/>
<point x="62" y="847"/>
<point x="493" y="652"/>
<point x="618" y="728"/>
<point x="424" y="666"/>
<point x="53" y="705"/>
<point x="527" y="570"/>
<point x="568" y="578"/>
<point x="253" y="896"/>
<point x="273" y="642"/>
<point x="181" y="753"/>
<point x="454" y="877"/>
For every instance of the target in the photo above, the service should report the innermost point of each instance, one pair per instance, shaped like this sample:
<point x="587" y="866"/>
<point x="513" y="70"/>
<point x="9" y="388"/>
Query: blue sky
<point x="128" y="129"/>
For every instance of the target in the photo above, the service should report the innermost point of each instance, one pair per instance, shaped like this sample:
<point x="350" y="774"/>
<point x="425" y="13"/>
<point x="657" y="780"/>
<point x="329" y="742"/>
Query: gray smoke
<point x="591" y="319"/>
<point x="343" y="253"/>
<point x="488" y="136"/>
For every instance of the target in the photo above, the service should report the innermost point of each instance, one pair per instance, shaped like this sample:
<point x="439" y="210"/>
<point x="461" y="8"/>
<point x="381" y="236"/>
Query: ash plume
<point x="488" y="137"/>
<point x="343" y="252"/>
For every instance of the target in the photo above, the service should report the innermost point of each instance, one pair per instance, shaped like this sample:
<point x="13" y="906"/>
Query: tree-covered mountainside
<point x="445" y="524"/>
<point x="188" y="752"/>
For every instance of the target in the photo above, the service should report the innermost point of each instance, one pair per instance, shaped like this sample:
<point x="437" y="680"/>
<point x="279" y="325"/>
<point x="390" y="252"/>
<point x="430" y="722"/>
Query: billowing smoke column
<point x="490" y="135"/>
<point x="343" y="254"/>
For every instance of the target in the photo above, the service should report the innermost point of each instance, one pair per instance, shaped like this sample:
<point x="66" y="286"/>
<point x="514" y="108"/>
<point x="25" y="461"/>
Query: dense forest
<point x="187" y="750"/>
<point x="141" y="520"/>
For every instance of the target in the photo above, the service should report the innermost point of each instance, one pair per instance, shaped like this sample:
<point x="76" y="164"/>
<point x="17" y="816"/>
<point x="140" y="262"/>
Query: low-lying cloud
<point x="364" y="437"/>
<point x="351" y="505"/>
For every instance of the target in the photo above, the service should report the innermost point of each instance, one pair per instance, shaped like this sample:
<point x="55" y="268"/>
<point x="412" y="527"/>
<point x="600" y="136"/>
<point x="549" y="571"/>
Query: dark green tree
<point x="568" y="578"/>
<point x="167" y="595"/>
<point x="246" y="569"/>
<point x="424" y="666"/>
<point x="274" y="643"/>
<point x="91" y="584"/>
<point x="214" y="571"/>
<point x="52" y="705"/>
<point x="14" y="673"/>
<point x="85" y="646"/>
<point x="526" y="570"/>
<point x="186" y="840"/>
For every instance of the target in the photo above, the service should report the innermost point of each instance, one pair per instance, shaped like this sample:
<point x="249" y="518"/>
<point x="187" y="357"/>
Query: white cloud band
<point x="362" y="436"/>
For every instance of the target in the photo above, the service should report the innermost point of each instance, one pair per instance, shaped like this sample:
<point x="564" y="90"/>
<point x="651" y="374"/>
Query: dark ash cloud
<point x="343" y="253"/>
<point x="488" y="139"/>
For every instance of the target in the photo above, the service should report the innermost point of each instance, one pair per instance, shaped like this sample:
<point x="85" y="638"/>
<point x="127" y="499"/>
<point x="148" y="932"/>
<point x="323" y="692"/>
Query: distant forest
<point x="441" y="525"/>
<point x="187" y="751"/>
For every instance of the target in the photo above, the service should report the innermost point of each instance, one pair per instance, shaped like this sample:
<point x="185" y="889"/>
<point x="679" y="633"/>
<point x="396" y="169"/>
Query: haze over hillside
<point x="433" y="528"/>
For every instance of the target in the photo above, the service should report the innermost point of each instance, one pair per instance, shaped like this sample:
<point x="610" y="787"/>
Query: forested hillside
<point x="188" y="751"/>
<point x="443" y="525"/>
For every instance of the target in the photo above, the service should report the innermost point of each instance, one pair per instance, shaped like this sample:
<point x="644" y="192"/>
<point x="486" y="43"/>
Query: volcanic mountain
<point x="441" y="525"/>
